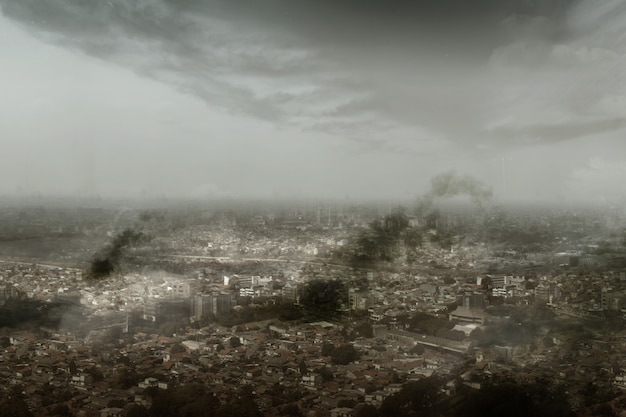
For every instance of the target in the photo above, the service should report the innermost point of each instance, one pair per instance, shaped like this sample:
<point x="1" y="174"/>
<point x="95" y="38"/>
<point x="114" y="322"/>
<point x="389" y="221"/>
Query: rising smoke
<point x="108" y="259"/>
<point x="450" y="184"/>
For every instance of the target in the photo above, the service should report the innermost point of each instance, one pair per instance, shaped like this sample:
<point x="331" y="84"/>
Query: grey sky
<point x="312" y="98"/>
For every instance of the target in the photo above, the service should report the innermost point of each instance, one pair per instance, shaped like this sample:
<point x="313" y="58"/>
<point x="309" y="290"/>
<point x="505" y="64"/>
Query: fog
<point x="321" y="99"/>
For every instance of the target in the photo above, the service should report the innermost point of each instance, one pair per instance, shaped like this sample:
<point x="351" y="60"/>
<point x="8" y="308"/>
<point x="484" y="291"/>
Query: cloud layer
<point x="433" y="79"/>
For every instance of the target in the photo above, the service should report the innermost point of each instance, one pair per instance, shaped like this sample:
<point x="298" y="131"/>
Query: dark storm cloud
<point x="363" y="69"/>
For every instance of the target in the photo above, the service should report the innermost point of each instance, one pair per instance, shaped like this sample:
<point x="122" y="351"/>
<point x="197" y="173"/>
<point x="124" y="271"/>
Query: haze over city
<point x="312" y="99"/>
<point x="312" y="208"/>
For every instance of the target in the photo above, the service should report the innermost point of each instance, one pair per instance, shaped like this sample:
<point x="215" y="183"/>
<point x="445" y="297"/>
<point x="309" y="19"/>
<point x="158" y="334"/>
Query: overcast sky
<point x="312" y="98"/>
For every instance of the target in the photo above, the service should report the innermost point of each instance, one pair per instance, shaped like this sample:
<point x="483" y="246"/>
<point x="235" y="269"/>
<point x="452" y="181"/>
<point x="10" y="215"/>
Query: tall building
<point x="180" y="288"/>
<point x="612" y="300"/>
<point x="7" y="291"/>
<point x="475" y="301"/>
<point x="215" y="304"/>
<point x="293" y="291"/>
<point x="548" y="292"/>
<point x="358" y="299"/>
<point x="161" y="310"/>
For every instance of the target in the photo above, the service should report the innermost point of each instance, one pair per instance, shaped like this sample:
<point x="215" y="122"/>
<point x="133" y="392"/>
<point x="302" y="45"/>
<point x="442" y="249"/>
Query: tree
<point x="417" y="349"/>
<point x="71" y="366"/>
<point x="116" y="403"/>
<point x="289" y="312"/>
<point x="14" y="405"/>
<point x="346" y="403"/>
<point x="177" y="348"/>
<point x="95" y="373"/>
<point x="137" y="410"/>
<point x="415" y="398"/>
<point x="327" y="349"/>
<point x="302" y="367"/>
<point x="364" y="330"/>
<point x="171" y="327"/>
<point x="325" y="374"/>
<point x="323" y="297"/>
<point x="242" y="405"/>
<point x="290" y="410"/>
<point x="61" y="410"/>
<point x="367" y="410"/>
<point x="344" y="354"/>
<point x="234" y="342"/>
<point x="126" y="378"/>
<point x="190" y="400"/>
<point x="515" y="400"/>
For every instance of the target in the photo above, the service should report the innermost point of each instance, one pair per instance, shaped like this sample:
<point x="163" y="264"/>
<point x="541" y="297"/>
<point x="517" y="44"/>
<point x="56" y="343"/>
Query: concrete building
<point x="293" y="291"/>
<point x="216" y="304"/>
<point x="358" y="299"/>
<point x="7" y="291"/>
<point x="160" y="310"/>
<point x="472" y="301"/>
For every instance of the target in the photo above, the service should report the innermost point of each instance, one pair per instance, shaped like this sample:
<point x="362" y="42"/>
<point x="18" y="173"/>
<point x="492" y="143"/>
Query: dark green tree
<point x="177" y="348"/>
<point x="234" y="342"/>
<point x="367" y="410"/>
<point x="419" y="398"/>
<point x="327" y="349"/>
<point x="364" y="330"/>
<point x="13" y="404"/>
<point x="302" y="367"/>
<point x="344" y="354"/>
<point x="137" y="410"/>
<point x="323" y="297"/>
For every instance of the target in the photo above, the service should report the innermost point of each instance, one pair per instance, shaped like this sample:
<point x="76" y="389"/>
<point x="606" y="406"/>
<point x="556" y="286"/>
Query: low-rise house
<point x="342" y="412"/>
<point x="111" y="412"/>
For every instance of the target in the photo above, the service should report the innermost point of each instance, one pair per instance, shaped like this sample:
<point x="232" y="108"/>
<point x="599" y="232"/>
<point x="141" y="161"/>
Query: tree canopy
<point x="323" y="297"/>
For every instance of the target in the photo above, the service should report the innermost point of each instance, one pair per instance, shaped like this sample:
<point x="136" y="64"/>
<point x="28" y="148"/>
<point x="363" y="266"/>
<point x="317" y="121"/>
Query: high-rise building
<point x="548" y="292"/>
<point x="180" y="288"/>
<point x="358" y="299"/>
<point x="293" y="291"/>
<point x="476" y="301"/>
<point x="215" y="304"/>
<point x="7" y="291"/>
<point x="160" y="310"/>
<point x="612" y="300"/>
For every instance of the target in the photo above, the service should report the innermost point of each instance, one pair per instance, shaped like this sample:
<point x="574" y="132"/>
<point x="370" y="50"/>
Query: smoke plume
<point x="449" y="184"/>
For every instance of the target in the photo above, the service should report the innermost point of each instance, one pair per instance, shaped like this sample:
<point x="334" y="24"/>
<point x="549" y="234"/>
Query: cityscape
<point x="312" y="208"/>
<point x="274" y="309"/>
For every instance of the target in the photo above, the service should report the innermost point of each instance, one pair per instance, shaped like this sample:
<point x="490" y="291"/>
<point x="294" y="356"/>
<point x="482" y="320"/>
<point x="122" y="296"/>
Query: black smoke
<point x="450" y="184"/>
<point x="107" y="261"/>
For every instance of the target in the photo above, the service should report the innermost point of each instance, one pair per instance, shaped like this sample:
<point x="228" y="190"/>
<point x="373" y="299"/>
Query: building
<point x="215" y="304"/>
<point x="7" y="291"/>
<point x="612" y="300"/>
<point x="238" y="282"/>
<point x="475" y="301"/>
<point x="468" y="315"/>
<point x="293" y="291"/>
<point x="342" y="412"/>
<point x="358" y="299"/>
<point x="180" y="289"/>
<point x="548" y="292"/>
<point x="160" y="310"/>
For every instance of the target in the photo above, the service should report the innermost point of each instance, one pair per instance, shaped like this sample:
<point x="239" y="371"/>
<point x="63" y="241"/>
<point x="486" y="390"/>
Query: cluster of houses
<point x="271" y="357"/>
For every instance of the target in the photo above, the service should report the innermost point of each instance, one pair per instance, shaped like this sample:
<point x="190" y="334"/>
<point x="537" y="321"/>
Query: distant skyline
<point x="312" y="98"/>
